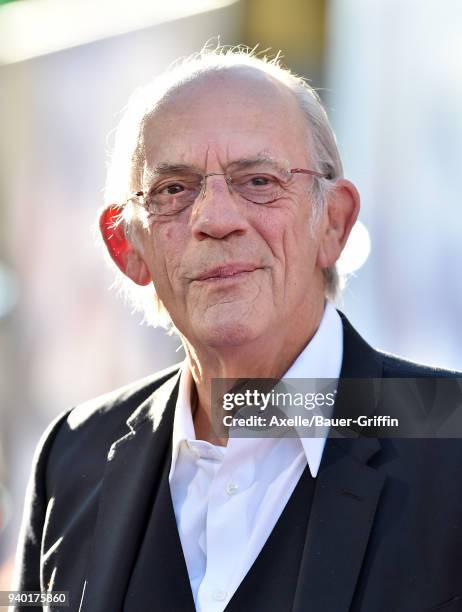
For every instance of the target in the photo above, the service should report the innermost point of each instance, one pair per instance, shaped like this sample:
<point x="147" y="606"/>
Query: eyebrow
<point x="247" y="162"/>
<point x="167" y="169"/>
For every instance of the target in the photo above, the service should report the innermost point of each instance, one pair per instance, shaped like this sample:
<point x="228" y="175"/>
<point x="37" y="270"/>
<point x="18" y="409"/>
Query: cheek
<point x="164" y="254"/>
<point x="286" y="231"/>
<point x="293" y="246"/>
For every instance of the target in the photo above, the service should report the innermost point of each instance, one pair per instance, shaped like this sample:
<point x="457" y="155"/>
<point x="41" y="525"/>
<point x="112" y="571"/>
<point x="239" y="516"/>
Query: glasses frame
<point x="142" y="194"/>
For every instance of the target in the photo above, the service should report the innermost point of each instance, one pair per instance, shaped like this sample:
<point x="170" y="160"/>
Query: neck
<point x="265" y="357"/>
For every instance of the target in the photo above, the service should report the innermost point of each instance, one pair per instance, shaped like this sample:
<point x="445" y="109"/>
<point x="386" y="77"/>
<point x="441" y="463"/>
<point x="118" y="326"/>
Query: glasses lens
<point x="260" y="186"/>
<point x="173" y="194"/>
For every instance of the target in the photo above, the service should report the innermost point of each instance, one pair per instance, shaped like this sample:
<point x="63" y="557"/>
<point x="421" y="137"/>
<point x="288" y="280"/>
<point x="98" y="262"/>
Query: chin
<point x="231" y="331"/>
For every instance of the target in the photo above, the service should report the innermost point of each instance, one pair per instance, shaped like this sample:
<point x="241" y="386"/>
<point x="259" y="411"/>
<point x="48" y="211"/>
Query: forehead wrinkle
<point x="164" y="168"/>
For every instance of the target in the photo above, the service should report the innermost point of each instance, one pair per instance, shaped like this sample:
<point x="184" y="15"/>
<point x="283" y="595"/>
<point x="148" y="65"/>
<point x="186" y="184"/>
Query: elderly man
<point x="227" y="207"/>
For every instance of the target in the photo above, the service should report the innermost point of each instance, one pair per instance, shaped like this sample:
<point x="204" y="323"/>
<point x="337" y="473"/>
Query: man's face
<point x="230" y="271"/>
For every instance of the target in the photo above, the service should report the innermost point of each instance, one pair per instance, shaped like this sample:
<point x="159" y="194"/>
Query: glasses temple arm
<point x="311" y="172"/>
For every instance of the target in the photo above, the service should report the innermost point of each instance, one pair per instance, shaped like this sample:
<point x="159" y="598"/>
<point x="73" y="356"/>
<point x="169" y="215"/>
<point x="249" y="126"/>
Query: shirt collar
<point x="321" y="358"/>
<point x="183" y="426"/>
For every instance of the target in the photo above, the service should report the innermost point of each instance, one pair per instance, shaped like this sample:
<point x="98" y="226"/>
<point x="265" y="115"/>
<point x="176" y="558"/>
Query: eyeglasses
<point x="177" y="190"/>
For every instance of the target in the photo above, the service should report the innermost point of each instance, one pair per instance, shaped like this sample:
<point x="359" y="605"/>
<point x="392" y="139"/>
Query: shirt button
<point x="219" y="595"/>
<point x="232" y="488"/>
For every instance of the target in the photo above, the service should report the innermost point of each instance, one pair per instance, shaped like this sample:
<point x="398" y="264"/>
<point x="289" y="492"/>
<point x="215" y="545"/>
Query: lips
<point x="225" y="271"/>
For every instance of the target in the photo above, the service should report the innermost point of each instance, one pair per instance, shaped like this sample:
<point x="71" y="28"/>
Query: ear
<point x="122" y="251"/>
<point x="340" y="216"/>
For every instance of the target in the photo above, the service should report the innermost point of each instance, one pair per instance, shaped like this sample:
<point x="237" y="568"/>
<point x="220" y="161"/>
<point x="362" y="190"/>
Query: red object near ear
<point x="113" y="232"/>
<point x="120" y="249"/>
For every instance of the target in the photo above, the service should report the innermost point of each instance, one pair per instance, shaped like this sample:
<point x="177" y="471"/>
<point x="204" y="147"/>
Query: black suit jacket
<point x="385" y="532"/>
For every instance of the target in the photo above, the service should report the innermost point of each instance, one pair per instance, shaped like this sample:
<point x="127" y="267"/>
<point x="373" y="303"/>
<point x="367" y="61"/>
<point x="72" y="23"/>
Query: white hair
<point x="127" y="162"/>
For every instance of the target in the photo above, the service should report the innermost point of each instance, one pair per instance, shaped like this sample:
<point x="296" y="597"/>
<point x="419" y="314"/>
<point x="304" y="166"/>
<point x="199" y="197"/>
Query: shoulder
<point x="119" y="403"/>
<point x="361" y="360"/>
<point x="399" y="367"/>
<point x="87" y="431"/>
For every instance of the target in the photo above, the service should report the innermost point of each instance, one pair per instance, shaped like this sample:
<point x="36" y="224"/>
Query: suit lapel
<point x="132" y="474"/>
<point x="346" y="495"/>
<point x="344" y="505"/>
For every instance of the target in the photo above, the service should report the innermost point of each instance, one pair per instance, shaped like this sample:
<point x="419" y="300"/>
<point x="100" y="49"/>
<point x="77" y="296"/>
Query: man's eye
<point x="261" y="181"/>
<point x="172" y="189"/>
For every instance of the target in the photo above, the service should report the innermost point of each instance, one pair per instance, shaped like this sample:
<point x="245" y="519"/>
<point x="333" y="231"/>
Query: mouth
<point x="226" y="272"/>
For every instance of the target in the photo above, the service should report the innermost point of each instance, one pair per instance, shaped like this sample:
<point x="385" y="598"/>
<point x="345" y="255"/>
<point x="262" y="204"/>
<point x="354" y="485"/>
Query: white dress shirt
<point x="228" y="499"/>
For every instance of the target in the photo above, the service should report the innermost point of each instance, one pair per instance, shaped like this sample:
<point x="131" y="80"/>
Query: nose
<point x="215" y="213"/>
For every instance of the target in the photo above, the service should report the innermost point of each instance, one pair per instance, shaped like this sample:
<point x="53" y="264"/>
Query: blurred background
<point x="390" y="73"/>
